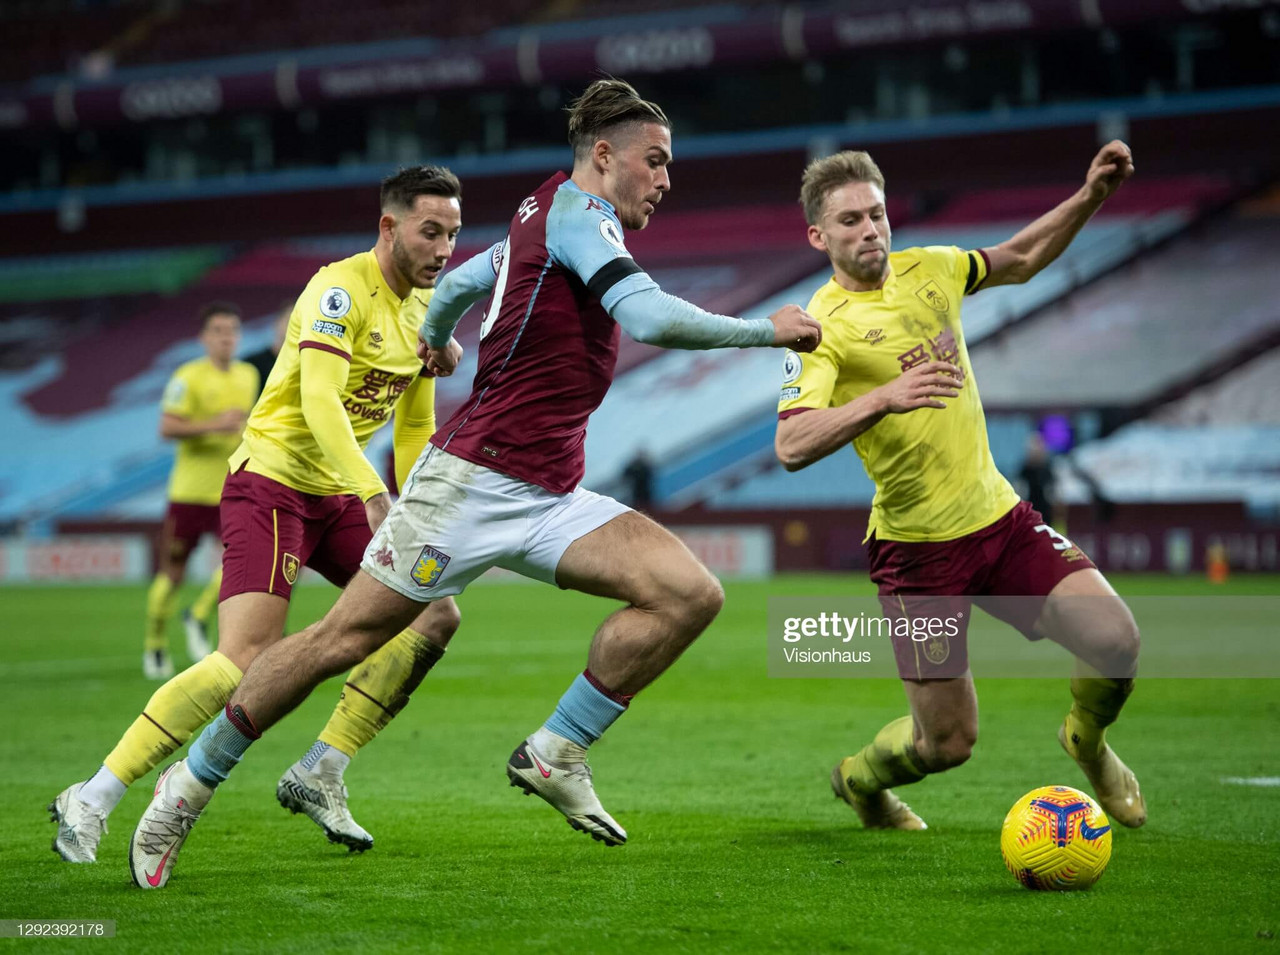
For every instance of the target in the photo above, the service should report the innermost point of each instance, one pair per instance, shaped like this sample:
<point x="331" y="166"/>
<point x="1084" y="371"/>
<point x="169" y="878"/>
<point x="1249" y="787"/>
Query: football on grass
<point x="1056" y="837"/>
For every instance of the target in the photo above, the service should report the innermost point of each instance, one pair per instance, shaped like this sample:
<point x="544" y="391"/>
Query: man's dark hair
<point x="207" y="312"/>
<point x="605" y="105"/>
<point x="400" y="191"/>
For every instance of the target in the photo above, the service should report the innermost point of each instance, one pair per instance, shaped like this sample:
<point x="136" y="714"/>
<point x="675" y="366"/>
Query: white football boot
<point x="197" y="637"/>
<point x="565" y="782"/>
<point x="322" y="797"/>
<point x="80" y="826"/>
<point x="153" y="849"/>
<point x="157" y="664"/>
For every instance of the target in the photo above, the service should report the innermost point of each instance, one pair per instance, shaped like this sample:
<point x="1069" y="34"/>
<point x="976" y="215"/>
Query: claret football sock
<point x="378" y="689"/>
<point x="1098" y="701"/>
<point x="173" y="713"/>
<point x="159" y="610"/>
<point x="202" y="609"/>
<point x="586" y="710"/>
<point x="890" y="759"/>
<point x="221" y="746"/>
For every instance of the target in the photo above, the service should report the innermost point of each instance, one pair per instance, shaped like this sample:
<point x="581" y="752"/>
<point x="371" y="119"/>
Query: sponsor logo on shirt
<point x="328" y="328"/>
<point x="335" y="302"/>
<point x="375" y="339"/>
<point x="875" y="336"/>
<point x="792" y="365"/>
<point x="789" y="393"/>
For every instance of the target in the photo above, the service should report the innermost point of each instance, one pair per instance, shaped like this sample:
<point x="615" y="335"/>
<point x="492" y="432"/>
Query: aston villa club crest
<point x="289" y="565"/>
<point x="428" y="567"/>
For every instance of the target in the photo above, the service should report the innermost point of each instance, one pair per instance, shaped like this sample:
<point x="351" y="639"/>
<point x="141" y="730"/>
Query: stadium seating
<point x="1150" y="461"/>
<point x="1249" y="395"/>
<point x="1144" y="329"/>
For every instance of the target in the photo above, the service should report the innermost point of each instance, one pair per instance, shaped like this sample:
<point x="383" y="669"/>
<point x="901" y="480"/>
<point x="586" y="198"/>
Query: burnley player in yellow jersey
<point x="893" y="377"/>
<point x="203" y="411"/>
<point x="301" y="493"/>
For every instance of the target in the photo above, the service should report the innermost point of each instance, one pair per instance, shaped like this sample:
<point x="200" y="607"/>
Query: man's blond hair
<point x="822" y="176"/>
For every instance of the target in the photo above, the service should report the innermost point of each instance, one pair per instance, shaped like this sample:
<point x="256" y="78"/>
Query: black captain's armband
<point x="610" y="274"/>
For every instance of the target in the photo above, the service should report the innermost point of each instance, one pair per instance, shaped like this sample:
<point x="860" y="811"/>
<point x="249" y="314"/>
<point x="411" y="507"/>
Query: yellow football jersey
<point x="198" y="391"/>
<point x="347" y="309"/>
<point x="934" y="476"/>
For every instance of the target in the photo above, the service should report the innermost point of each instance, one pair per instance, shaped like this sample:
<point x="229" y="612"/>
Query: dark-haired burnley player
<point x="301" y="493"/>
<point x="203" y="411"/>
<point x="499" y="483"/>
<point x="893" y="376"/>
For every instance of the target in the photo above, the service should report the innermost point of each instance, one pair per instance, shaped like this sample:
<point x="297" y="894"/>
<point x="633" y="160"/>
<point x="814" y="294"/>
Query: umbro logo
<point x="375" y="339"/>
<point x="875" y="336"/>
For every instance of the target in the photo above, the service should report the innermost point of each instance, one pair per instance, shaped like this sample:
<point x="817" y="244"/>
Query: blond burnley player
<point x="893" y="376"/>
<point x="203" y="410"/>
<point x="301" y="493"/>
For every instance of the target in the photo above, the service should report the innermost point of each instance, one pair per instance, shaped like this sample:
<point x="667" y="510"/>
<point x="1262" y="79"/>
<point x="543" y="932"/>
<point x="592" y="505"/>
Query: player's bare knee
<point x="696" y="601"/>
<point x="707" y="599"/>
<point x="949" y="750"/>
<point x="1123" y="642"/>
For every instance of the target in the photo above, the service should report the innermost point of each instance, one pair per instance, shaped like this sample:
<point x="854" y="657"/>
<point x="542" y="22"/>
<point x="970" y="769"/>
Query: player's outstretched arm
<point x="804" y="438"/>
<point x="1021" y="257"/>
<point x="652" y="316"/>
<point x="458" y="291"/>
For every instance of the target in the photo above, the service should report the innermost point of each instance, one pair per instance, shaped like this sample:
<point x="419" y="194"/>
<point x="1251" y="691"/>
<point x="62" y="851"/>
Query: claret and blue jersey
<point x="548" y="345"/>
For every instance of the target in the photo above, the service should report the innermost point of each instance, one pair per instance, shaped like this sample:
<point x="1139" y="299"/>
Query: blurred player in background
<point x="264" y="359"/>
<point x="302" y="493"/>
<point x="204" y="408"/>
<point x="945" y="523"/>
<point x="500" y="483"/>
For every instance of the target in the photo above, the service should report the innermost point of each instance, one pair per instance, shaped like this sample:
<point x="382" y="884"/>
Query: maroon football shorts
<point x="1019" y="555"/>
<point x="272" y="531"/>
<point x="184" y="525"/>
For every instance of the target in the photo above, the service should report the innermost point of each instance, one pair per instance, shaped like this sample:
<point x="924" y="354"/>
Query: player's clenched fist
<point x="375" y="510"/>
<point x="440" y="362"/>
<point x="796" y="329"/>
<point x="922" y="387"/>
<point x="1111" y="167"/>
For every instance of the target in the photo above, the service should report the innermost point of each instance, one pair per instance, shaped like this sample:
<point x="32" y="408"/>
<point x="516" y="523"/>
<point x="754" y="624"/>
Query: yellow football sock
<point x="889" y="760"/>
<point x="159" y="610"/>
<point x="378" y="689"/>
<point x="1098" y="701"/>
<point x="174" y="712"/>
<point x="208" y="598"/>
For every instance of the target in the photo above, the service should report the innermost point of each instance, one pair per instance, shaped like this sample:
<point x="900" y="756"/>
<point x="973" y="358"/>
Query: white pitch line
<point x="1251" y="780"/>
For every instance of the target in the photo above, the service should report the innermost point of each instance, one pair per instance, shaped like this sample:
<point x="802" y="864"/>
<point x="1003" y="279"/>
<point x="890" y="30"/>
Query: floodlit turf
<point x="719" y="774"/>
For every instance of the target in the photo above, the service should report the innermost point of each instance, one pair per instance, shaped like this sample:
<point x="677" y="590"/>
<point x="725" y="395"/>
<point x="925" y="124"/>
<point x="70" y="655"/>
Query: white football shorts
<point x="455" y="519"/>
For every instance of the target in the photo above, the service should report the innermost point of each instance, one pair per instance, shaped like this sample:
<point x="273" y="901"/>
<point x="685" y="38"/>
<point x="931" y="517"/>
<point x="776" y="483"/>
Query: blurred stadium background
<point x="159" y="155"/>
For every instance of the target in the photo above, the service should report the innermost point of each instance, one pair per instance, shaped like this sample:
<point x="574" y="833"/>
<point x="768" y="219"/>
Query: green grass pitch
<point x="718" y="773"/>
